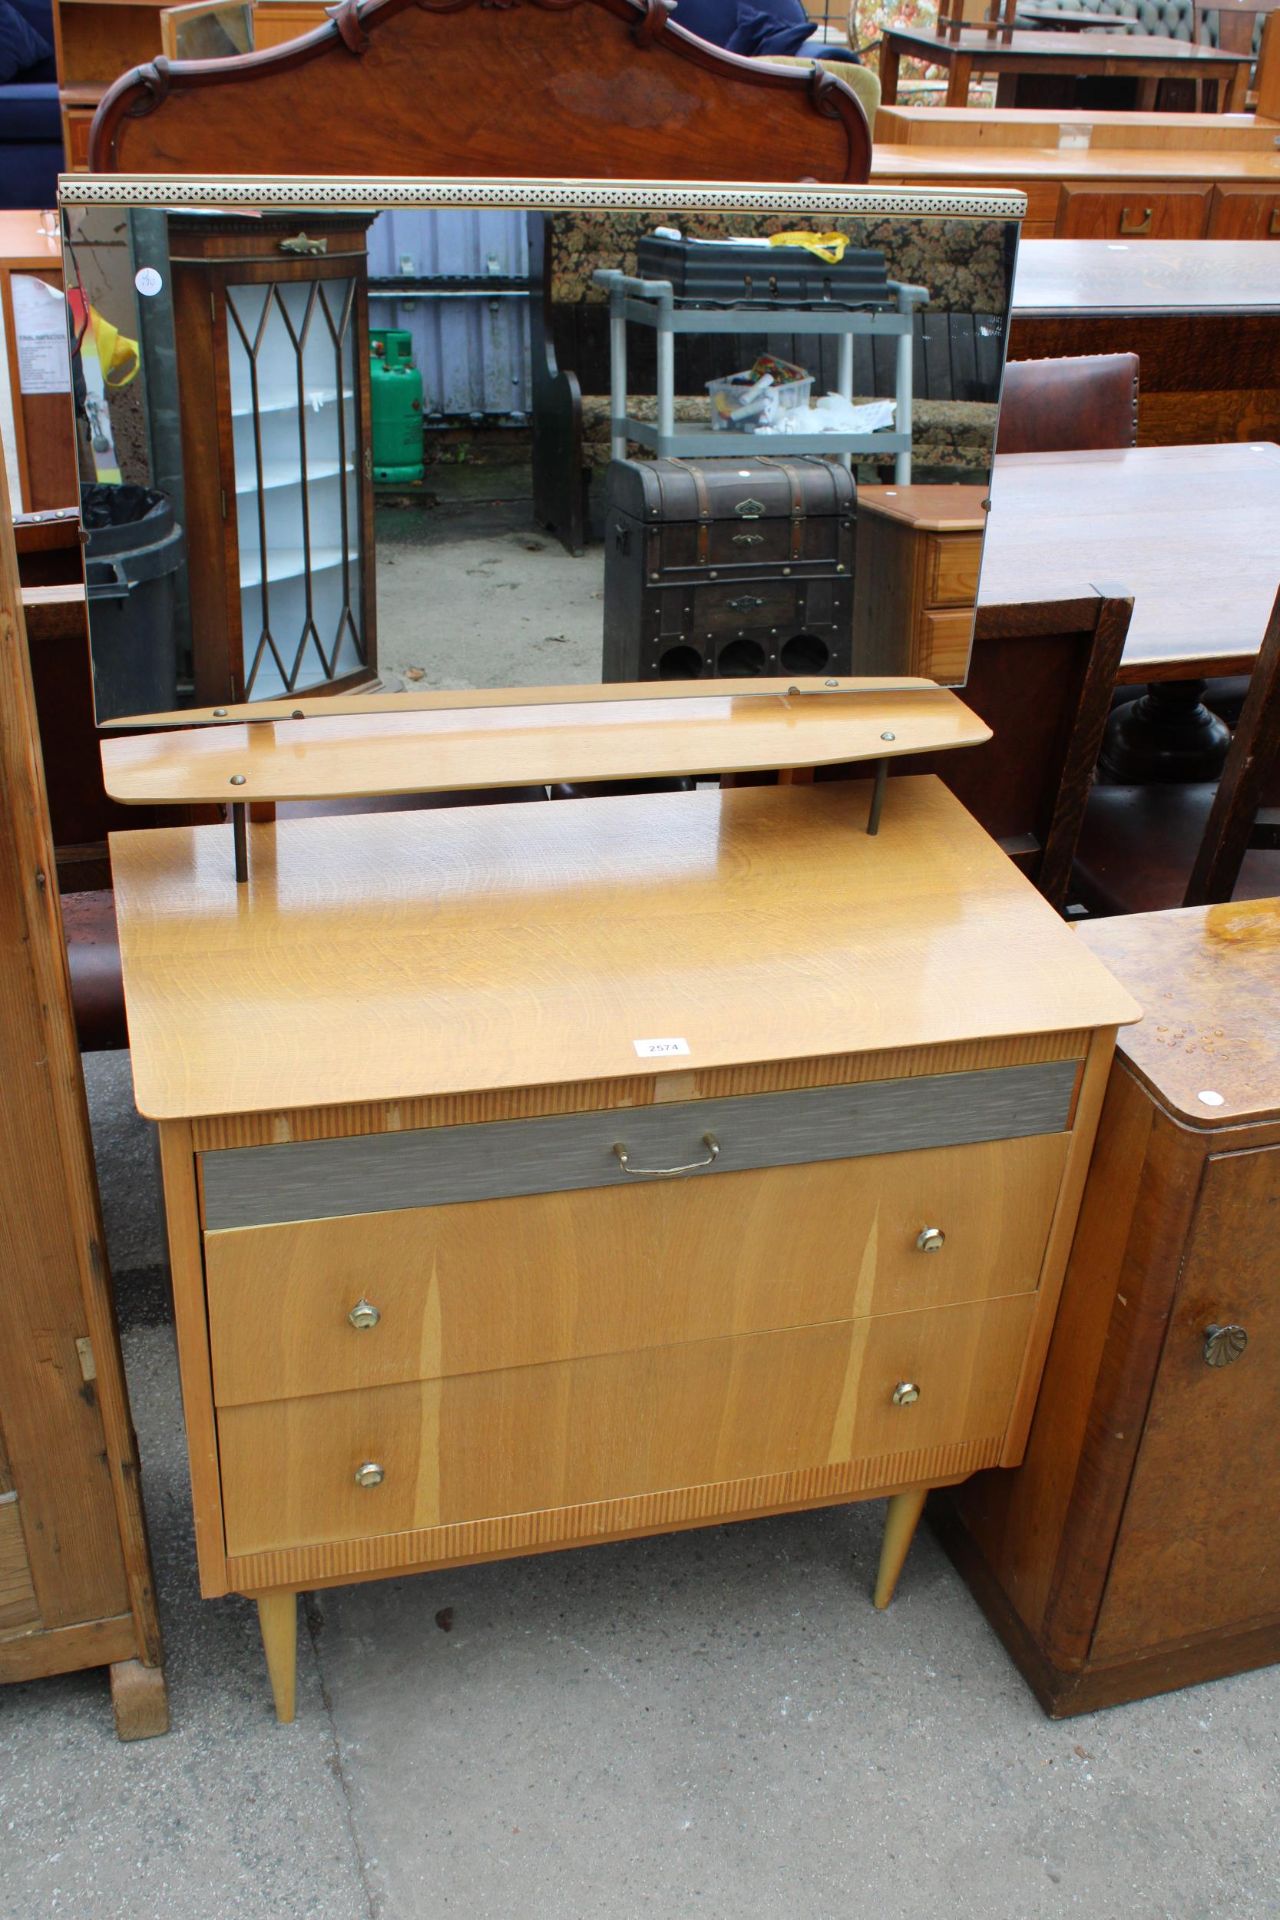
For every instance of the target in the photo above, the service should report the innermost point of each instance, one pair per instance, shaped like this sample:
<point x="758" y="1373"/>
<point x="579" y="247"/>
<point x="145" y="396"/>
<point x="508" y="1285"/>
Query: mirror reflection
<point x="444" y="447"/>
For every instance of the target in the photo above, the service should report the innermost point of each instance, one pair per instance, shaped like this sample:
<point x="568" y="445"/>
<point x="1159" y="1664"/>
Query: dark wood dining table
<point x="1203" y="316"/>
<point x="1147" y="58"/>
<point x="1192" y="532"/>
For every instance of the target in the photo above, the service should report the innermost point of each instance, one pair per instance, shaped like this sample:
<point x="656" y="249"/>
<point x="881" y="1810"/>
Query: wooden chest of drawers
<point x="919" y="557"/>
<point x="1136" y="1548"/>
<point x="468" y="1264"/>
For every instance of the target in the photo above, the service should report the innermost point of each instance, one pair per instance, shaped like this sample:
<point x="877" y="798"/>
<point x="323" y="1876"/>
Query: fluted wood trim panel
<point x="522" y="1103"/>
<point x="256" y="1186"/>
<point x="711" y="1505"/>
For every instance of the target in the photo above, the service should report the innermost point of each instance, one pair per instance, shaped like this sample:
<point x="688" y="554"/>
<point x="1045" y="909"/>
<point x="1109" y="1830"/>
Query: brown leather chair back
<point x="1070" y="405"/>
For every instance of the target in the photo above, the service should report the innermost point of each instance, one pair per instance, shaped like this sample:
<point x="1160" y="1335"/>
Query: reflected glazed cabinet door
<point x="277" y="454"/>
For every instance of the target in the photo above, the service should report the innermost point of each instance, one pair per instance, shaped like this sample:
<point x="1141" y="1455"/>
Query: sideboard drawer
<point x="495" y="1160"/>
<point x="537" y="1438"/>
<point x="503" y="1283"/>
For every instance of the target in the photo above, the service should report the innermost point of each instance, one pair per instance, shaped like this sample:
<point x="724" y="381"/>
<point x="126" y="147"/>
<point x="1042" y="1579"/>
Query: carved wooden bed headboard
<point x="608" y="89"/>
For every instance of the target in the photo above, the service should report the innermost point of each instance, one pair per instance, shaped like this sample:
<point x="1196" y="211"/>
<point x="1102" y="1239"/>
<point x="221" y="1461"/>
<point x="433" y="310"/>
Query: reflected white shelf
<point x="286" y="473"/>
<point x="315" y="400"/>
<point x="290" y="563"/>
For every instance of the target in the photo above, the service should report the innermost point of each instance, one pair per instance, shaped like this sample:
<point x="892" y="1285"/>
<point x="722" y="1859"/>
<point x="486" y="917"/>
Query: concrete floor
<point x="471" y="593"/>
<point x="714" y="1724"/>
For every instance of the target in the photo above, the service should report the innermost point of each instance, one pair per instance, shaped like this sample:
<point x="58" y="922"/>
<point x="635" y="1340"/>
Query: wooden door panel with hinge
<point x="1191" y="1555"/>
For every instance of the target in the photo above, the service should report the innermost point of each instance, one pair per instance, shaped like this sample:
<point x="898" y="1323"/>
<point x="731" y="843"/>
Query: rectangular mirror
<point x="461" y="435"/>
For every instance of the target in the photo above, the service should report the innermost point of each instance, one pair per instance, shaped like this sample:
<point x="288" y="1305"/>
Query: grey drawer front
<point x="374" y="1173"/>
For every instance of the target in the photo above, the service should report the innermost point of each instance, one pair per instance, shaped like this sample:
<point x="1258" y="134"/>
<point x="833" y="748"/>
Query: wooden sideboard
<point x="638" y="1175"/>
<point x="1142" y="176"/>
<point x="1203" y="316"/>
<point x="1135" y="1549"/>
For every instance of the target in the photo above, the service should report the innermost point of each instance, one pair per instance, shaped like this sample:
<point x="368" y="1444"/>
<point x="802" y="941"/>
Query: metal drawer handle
<point x="370" y="1474"/>
<point x="1129" y="225"/>
<point x="745" y="602"/>
<point x="1222" y="1345"/>
<point x="931" y="1240"/>
<point x="669" y="1173"/>
<point x="363" y="1314"/>
<point x="748" y="539"/>
<point x="906" y="1393"/>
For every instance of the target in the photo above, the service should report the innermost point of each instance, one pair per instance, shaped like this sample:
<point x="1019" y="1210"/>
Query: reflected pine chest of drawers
<point x="542" y="1175"/>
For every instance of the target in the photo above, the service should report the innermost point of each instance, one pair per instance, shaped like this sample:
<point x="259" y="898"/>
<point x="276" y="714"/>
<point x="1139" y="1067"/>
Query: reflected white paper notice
<point x="40" y="329"/>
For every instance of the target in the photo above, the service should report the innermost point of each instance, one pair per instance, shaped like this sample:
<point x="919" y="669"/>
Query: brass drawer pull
<point x="363" y="1314"/>
<point x="906" y="1393"/>
<point x="1224" y="1344"/>
<point x="931" y="1240"/>
<point x="669" y="1173"/>
<point x="1130" y="225"/>
<point x="370" y="1474"/>
<point x="754" y="539"/>
<point x="745" y="602"/>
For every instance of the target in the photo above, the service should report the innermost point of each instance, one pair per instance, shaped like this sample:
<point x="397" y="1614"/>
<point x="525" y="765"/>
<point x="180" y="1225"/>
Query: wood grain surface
<point x="573" y="88"/>
<point x="443" y="700"/>
<point x="1209" y="980"/>
<point x="455" y="748"/>
<point x="402" y="955"/>
<point x="1061" y="523"/>
<point x="516" y="1283"/>
<point x="615" y="1425"/>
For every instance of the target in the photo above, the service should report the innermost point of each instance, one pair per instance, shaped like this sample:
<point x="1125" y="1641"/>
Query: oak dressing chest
<point x="545" y="1175"/>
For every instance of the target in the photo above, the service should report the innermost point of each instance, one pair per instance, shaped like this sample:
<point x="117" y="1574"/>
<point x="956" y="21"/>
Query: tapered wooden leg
<point x="899" y="1530"/>
<point x="278" y="1620"/>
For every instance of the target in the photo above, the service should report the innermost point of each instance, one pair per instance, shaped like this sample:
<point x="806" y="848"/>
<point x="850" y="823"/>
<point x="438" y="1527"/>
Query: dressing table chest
<point x="543" y="1175"/>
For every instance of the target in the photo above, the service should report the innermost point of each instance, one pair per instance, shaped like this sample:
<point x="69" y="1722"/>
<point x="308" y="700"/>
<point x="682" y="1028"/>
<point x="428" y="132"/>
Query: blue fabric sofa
<point x="30" y="127"/>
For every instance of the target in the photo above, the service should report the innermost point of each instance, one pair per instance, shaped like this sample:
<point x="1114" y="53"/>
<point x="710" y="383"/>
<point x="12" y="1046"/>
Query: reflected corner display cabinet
<point x="544" y="1175"/>
<point x="274" y="405"/>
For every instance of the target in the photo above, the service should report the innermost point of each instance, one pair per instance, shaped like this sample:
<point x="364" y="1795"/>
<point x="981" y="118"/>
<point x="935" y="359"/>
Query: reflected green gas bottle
<point x="395" y="387"/>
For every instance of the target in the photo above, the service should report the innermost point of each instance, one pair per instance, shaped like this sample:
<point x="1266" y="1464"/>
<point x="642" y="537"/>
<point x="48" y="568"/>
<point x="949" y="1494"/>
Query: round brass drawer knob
<point x="1222" y="1345"/>
<point x="931" y="1240"/>
<point x="370" y="1474"/>
<point x="906" y="1393"/>
<point x="364" y="1314"/>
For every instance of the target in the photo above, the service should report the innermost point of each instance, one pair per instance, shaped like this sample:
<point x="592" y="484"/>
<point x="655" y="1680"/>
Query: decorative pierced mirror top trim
<point x="367" y="192"/>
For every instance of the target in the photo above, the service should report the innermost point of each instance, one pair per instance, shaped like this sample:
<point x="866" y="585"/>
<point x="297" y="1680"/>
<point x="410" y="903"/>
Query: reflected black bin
<point x="134" y="549"/>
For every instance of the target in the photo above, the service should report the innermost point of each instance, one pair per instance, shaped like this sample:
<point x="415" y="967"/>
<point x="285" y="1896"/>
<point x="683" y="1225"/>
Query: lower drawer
<point x="557" y="1276"/>
<point x="534" y="1438"/>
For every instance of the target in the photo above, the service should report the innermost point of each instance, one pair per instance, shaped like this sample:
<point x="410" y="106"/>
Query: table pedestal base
<point x="1166" y="735"/>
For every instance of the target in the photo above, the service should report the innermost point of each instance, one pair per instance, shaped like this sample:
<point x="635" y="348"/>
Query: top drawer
<point x="439" y="1166"/>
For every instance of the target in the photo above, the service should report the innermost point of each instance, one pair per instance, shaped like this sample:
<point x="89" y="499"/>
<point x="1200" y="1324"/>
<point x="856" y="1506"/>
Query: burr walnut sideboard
<point x="1136" y="1548"/>
<point x="544" y="1175"/>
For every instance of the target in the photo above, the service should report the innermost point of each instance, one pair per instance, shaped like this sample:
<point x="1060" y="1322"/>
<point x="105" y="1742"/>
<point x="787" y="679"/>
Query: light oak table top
<point x="390" y="956"/>
<point x="1070" y="277"/>
<point x="1190" y="532"/>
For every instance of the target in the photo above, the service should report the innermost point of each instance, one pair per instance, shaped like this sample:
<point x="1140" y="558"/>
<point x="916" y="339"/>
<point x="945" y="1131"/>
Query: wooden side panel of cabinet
<point x="71" y="1456"/>
<point x="1132" y="213"/>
